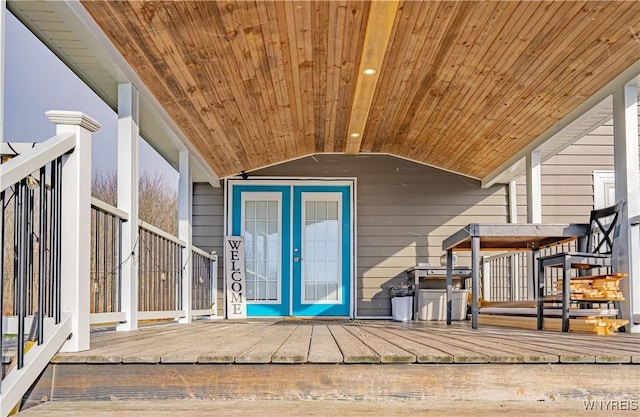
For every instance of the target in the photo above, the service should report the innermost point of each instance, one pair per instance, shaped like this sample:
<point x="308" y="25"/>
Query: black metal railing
<point x="203" y="285"/>
<point x="160" y="271"/>
<point x="30" y="261"/>
<point x="106" y="260"/>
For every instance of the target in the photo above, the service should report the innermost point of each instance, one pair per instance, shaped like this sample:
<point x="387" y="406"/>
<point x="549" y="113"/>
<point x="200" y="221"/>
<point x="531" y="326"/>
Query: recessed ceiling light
<point x="369" y="71"/>
<point x="355" y="135"/>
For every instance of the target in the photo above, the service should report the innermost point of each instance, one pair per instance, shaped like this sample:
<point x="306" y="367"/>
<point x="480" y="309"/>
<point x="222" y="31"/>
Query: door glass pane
<point x="321" y="248"/>
<point x="261" y="231"/>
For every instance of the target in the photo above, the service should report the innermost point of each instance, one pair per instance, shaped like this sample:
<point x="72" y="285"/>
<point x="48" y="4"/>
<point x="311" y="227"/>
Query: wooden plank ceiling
<point x="460" y="85"/>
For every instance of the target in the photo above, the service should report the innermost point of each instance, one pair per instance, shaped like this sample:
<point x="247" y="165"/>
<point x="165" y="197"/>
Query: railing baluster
<point x="42" y="247"/>
<point x="29" y="248"/>
<point x="22" y="274"/>
<point x="58" y="242"/>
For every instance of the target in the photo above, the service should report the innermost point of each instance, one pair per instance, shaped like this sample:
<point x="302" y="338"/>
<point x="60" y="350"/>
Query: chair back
<point x="603" y="229"/>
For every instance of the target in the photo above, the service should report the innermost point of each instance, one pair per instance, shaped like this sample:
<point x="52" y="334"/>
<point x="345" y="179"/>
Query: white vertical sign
<point x="235" y="277"/>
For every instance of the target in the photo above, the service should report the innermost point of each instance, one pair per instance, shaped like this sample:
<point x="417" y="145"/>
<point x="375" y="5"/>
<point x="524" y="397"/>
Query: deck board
<point x="353" y="349"/>
<point x="423" y="353"/>
<point x="335" y="342"/>
<point x="387" y="351"/>
<point x="323" y="347"/>
<point x="272" y="338"/>
<point x="296" y="348"/>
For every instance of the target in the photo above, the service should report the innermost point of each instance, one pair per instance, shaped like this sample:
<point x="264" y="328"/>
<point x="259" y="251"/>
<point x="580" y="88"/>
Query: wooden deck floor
<point x="349" y="342"/>
<point x="415" y="364"/>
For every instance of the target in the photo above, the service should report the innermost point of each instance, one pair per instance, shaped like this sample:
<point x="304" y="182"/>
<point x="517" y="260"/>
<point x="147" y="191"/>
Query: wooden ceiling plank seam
<point x="505" y="91"/>
<point x="334" y="36"/>
<point x="287" y="26"/>
<point x="436" y="32"/>
<point x="227" y="109"/>
<point x="304" y="25"/>
<point x="197" y="75"/>
<point x="442" y="13"/>
<point x="215" y="72"/>
<point x="254" y="54"/>
<point x="340" y="73"/>
<point x="555" y="61"/>
<point x="169" y="92"/>
<point x="302" y="22"/>
<point x="319" y="36"/>
<point x="246" y="94"/>
<point x="290" y="72"/>
<point x="456" y="15"/>
<point x="218" y="97"/>
<point x="598" y="80"/>
<point x="529" y="123"/>
<point x="233" y="97"/>
<point x="398" y="69"/>
<point x="467" y="73"/>
<point x="201" y="77"/>
<point x="169" y="98"/>
<point x="354" y="36"/>
<point x="445" y="105"/>
<point x="270" y="115"/>
<point x="436" y="152"/>
<point x="379" y="26"/>
<point x="294" y="12"/>
<point x="289" y="135"/>
<point x="497" y="86"/>
<point x="179" y="58"/>
<point x="232" y="79"/>
<point x="105" y="9"/>
<point x="343" y="75"/>
<point x="277" y="69"/>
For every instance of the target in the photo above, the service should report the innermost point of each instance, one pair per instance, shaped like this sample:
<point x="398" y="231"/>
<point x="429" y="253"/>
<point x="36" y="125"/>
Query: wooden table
<point x="503" y="237"/>
<point x="432" y="272"/>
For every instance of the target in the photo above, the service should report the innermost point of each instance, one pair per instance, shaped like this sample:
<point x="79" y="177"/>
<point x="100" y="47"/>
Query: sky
<point x="37" y="81"/>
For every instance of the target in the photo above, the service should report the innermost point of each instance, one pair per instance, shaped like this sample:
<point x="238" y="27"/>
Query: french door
<point x="297" y="248"/>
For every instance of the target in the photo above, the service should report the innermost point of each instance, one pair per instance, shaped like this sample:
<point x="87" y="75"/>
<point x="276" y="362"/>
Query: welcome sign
<point x="235" y="277"/>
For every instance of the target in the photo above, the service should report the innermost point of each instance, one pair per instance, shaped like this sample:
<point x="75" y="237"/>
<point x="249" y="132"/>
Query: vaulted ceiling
<point x="463" y="86"/>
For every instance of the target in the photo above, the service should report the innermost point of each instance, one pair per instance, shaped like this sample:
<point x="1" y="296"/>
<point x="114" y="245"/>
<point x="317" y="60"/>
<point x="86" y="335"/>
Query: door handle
<point x="296" y="258"/>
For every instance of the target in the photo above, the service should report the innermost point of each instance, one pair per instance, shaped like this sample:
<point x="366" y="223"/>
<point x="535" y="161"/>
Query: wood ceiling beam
<point x="379" y="26"/>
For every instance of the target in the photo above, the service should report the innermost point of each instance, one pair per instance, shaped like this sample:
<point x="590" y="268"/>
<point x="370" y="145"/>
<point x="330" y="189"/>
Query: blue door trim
<point x="342" y="309"/>
<point x="291" y="221"/>
<point x="281" y="309"/>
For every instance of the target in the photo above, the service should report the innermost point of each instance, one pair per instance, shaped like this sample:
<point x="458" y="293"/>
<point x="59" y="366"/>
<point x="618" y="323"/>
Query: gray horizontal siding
<point x="404" y="211"/>
<point x="567" y="178"/>
<point x="208" y="226"/>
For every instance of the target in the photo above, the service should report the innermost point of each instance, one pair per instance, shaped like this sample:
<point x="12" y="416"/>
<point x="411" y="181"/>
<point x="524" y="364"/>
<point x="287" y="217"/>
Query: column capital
<point x="73" y="118"/>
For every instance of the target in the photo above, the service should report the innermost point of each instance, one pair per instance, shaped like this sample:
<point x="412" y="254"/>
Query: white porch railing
<point x="65" y="255"/>
<point x="45" y="194"/>
<point x="160" y="276"/>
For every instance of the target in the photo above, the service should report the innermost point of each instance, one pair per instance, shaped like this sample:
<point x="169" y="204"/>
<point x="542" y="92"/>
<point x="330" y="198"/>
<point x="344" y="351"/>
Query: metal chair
<point x="603" y="229"/>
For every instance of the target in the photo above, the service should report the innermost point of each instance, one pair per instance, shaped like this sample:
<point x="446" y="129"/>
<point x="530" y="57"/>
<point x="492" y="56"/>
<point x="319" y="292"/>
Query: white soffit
<point x="59" y="27"/>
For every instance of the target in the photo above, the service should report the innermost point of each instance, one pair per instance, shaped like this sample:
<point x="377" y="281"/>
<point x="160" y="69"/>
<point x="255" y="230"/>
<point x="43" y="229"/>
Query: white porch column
<point x="627" y="256"/>
<point x="76" y="223"/>
<point x="185" y="194"/>
<point x="513" y="202"/>
<point x="534" y="188"/>
<point x="128" y="118"/>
